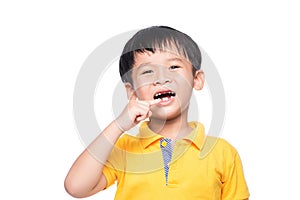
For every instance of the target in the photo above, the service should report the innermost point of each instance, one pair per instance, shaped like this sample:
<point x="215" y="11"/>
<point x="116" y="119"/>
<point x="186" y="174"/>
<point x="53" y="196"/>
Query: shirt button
<point x="164" y="143"/>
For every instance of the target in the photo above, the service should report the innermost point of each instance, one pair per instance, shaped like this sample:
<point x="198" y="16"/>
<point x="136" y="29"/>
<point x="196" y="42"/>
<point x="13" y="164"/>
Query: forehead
<point x="158" y="58"/>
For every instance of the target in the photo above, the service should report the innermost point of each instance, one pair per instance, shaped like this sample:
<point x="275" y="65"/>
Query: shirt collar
<point x="197" y="136"/>
<point x="148" y="137"/>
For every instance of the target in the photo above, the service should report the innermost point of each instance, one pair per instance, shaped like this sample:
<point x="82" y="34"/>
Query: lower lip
<point x="166" y="102"/>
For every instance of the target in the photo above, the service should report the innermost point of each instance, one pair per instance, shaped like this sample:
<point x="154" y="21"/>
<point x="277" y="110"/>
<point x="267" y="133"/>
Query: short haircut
<point x="158" y="38"/>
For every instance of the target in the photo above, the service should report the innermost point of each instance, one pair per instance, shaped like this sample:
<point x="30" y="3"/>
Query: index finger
<point x="153" y="102"/>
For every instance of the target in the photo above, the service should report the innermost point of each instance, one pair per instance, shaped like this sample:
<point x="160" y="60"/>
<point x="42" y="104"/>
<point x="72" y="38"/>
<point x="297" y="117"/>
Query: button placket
<point x="166" y="148"/>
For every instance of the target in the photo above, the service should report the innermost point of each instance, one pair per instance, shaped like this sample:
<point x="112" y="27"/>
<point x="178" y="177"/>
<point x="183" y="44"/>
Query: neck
<point x="173" y="129"/>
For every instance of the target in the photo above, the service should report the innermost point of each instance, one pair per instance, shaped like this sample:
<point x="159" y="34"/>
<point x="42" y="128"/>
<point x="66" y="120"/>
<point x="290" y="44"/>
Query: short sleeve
<point x="234" y="185"/>
<point x="110" y="175"/>
<point x="114" y="164"/>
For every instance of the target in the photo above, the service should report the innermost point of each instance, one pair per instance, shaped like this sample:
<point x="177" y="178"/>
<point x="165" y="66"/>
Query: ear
<point x="199" y="80"/>
<point x="131" y="94"/>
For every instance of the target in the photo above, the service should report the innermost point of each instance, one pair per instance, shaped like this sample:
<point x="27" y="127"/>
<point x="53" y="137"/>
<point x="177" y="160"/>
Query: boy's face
<point x="166" y="76"/>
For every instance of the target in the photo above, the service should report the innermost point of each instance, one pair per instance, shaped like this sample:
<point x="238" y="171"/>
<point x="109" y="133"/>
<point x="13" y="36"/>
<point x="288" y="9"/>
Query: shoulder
<point x="126" y="140"/>
<point x="225" y="145"/>
<point x="221" y="155"/>
<point x="218" y="147"/>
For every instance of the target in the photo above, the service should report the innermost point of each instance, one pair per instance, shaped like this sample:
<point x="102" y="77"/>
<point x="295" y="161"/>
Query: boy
<point x="160" y="67"/>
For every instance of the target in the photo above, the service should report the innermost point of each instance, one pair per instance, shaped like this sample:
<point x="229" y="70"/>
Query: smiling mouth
<point x="164" y="96"/>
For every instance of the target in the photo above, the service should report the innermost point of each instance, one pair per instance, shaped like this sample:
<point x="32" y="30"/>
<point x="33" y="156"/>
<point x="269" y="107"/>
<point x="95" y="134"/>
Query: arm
<point x="85" y="177"/>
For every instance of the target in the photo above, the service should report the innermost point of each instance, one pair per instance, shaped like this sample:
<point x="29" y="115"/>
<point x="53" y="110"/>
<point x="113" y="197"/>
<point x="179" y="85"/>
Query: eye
<point x="147" y="71"/>
<point x="174" y="67"/>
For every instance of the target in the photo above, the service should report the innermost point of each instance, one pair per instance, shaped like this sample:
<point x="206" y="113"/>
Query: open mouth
<point x="165" y="95"/>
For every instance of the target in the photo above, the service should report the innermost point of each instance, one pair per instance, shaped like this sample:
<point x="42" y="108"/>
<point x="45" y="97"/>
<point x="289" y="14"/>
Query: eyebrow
<point x="168" y="60"/>
<point x="144" y="64"/>
<point x="175" y="59"/>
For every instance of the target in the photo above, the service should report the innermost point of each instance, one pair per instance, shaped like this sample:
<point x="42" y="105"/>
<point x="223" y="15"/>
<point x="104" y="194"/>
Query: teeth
<point x="164" y="95"/>
<point x="158" y="94"/>
<point x="165" y="99"/>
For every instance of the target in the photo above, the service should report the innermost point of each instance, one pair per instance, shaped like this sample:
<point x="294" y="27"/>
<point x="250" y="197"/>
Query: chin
<point x="166" y="115"/>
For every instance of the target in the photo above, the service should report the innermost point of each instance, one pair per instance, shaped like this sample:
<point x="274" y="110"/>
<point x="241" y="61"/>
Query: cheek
<point x="144" y="92"/>
<point x="185" y="80"/>
<point x="144" y="81"/>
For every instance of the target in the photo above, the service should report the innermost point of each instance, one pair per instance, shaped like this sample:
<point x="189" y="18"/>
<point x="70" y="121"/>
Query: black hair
<point x="162" y="38"/>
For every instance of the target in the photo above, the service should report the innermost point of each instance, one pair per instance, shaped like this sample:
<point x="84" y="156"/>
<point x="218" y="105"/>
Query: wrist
<point x="119" y="126"/>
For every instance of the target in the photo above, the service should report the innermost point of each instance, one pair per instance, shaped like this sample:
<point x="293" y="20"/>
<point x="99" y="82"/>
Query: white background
<point x="254" y="45"/>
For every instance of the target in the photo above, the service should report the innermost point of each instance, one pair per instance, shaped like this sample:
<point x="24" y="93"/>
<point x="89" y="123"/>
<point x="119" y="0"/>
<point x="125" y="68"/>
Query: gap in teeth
<point x="159" y="95"/>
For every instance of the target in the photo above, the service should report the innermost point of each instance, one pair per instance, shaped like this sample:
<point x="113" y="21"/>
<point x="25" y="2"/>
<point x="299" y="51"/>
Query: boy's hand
<point x="135" y="112"/>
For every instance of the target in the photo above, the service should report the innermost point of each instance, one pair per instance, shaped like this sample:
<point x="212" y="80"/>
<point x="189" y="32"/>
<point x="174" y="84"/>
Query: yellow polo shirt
<point x="202" y="167"/>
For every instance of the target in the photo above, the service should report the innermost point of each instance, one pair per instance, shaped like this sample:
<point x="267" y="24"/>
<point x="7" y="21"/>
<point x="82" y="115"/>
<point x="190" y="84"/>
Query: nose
<point x="162" y="77"/>
<point x="161" y="82"/>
